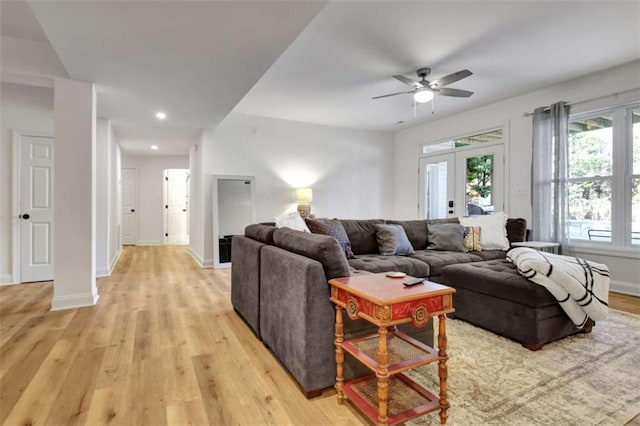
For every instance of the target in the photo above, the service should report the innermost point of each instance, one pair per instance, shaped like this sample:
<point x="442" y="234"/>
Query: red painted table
<point x="388" y="396"/>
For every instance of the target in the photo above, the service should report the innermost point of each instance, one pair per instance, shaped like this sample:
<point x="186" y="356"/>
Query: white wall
<point x="108" y="244"/>
<point x="196" y="198"/>
<point x="234" y="206"/>
<point x="510" y="112"/>
<point x="115" y="199"/>
<point x="23" y="108"/>
<point x="149" y="211"/>
<point x="349" y="170"/>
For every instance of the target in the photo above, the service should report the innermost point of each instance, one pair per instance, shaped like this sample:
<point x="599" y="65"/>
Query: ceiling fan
<point x="424" y="90"/>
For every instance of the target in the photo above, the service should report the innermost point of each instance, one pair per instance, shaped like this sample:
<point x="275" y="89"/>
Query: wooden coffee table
<point x="388" y="396"/>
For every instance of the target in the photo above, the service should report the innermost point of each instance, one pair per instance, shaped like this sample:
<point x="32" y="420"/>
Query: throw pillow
<point x="493" y="235"/>
<point x="446" y="236"/>
<point x="472" y="238"/>
<point x="334" y="229"/>
<point x="291" y="220"/>
<point x="393" y="240"/>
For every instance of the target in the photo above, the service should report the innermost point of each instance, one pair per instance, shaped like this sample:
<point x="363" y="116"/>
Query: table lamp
<point x="304" y="196"/>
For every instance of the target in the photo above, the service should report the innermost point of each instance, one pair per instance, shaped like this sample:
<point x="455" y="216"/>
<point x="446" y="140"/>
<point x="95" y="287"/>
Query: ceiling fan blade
<point x="454" y="92"/>
<point x="391" y="94"/>
<point x="451" y="78"/>
<point x="408" y="81"/>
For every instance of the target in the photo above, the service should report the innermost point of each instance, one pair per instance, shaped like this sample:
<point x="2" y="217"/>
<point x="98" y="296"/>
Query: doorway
<point x="33" y="174"/>
<point x="232" y="211"/>
<point x="176" y="206"/>
<point x="462" y="183"/>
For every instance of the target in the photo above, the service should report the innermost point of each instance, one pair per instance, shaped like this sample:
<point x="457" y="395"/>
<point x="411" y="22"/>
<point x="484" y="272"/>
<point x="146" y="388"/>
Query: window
<point x="603" y="199"/>
<point x="478" y="139"/>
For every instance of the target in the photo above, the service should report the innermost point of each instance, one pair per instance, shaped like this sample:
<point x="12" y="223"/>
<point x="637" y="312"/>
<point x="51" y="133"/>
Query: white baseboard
<point x="6" y="279"/>
<point x="115" y="260"/>
<point x="203" y="263"/>
<point x="149" y="243"/>
<point x="74" y="301"/>
<point x="625" y="288"/>
<point x="102" y="272"/>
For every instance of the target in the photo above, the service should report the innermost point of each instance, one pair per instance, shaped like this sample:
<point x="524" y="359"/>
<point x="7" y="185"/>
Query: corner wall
<point x="349" y="170"/>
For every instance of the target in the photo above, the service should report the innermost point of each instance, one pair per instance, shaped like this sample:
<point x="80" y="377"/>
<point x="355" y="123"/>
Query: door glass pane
<point x="590" y="210"/>
<point x="479" y="185"/>
<point x="636" y="141"/>
<point x="436" y="190"/>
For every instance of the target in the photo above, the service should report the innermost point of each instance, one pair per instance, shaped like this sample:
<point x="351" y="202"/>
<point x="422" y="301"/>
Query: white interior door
<point x="129" y="202"/>
<point x="437" y="186"/>
<point x="36" y="208"/>
<point x="176" y="230"/>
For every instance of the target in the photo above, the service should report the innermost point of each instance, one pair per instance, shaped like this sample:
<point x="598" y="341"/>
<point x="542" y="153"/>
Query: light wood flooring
<point x="163" y="346"/>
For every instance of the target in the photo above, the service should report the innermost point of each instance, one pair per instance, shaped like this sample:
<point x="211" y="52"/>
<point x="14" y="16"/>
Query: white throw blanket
<point x="580" y="286"/>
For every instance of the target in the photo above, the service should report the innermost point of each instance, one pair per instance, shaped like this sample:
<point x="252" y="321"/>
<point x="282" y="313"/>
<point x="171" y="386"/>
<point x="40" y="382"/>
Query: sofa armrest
<point x="296" y="316"/>
<point x="245" y="280"/>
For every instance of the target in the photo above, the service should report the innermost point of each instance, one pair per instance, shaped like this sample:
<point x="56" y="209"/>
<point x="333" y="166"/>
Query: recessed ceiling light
<point x="154" y="147"/>
<point x="161" y="115"/>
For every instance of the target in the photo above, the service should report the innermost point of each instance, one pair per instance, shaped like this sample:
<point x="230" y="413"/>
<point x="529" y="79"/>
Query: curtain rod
<point x="615" y="95"/>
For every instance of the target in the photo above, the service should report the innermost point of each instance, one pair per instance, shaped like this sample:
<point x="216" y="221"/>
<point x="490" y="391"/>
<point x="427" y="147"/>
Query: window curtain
<point x="550" y="173"/>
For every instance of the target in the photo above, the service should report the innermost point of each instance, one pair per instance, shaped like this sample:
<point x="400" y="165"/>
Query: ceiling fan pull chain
<point x="433" y="102"/>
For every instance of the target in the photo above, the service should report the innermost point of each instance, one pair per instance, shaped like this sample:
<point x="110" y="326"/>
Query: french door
<point x="462" y="183"/>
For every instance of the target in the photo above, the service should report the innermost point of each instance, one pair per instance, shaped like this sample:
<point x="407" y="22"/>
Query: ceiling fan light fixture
<point x="423" y="96"/>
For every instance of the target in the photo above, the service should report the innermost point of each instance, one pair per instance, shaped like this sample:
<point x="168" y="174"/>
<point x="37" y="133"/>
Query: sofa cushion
<point x="323" y="248"/>
<point x="378" y="263"/>
<point x="439" y="259"/>
<point x="362" y="234"/>
<point x="516" y="230"/>
<point x="392" y="240"/>
<point x="446" y="236"/>
<point x="416" y="231"/>
<point x="332" y="228"/>
<point x="260" y="232"/>
<point x="498" y="278"/>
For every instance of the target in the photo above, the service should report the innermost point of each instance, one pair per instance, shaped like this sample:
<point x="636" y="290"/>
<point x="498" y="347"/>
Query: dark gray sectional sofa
<point x="279" y="286"/>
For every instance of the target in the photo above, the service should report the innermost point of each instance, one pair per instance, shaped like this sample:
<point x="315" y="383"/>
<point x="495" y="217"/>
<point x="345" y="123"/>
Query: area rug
<point x="587" y="379"/>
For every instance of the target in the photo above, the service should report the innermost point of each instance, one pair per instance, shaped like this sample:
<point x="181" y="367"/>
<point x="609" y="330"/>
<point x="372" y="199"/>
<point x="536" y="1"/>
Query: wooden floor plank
<point x="163" y="346"/>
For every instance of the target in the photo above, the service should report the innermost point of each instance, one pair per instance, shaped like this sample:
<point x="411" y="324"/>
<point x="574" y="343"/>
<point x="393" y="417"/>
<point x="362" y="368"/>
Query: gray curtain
<point x="549" y="173"/>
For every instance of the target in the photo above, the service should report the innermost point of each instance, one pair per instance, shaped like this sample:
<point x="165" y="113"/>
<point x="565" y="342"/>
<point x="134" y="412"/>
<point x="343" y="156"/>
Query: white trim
<point x="625" y="288"/>
<point x="149" y="242"/>
<point x="5" y="279"/>
<point x="605" y="250"/>
<point x="115" y="261"/>
<point x="214" y="201"/>
<point x="203" y="263"/>
<point x="102" y="273"/>
<point x="74" y="301"/>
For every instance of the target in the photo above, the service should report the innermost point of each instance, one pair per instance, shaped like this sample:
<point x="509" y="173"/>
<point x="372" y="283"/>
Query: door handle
<point x="25" y="216"/>
<point x="133" y="210"/>
<point x="184" y="210"/>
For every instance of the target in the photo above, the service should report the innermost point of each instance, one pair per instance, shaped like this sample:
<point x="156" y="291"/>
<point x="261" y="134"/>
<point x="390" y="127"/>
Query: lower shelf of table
<point x="407" y="399"/>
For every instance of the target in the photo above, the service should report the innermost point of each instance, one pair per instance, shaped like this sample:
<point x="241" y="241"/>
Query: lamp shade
<point x="304" y="195"/>
<point x="422" y="96"/>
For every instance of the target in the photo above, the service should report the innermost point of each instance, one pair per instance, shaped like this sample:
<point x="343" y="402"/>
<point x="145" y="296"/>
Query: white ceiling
<point x="194" y="60"/>
<point x="349" y="52"/>
<point x="199" y="60"/>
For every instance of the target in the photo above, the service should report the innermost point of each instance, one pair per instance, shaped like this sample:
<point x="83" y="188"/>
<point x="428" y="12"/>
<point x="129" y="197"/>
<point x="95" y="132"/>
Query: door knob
<point x="25" y="216"/>
<point x="184" y="210"/>
<point x="133" y="210"/>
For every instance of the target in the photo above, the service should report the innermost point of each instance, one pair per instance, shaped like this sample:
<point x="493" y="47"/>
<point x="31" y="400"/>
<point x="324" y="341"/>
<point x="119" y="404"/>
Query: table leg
<point x="383" y="376"/>
<point x="442" y="367"/>
<point x="339" y="356"/>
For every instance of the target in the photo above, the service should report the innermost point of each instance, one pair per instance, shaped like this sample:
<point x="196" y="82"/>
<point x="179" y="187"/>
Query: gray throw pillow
<point x="445" y="236"/>
<point x="392" y="240"/>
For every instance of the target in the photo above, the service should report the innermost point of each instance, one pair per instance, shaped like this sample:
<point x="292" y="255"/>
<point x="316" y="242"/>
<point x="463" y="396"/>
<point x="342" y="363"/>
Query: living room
<point x="298" y="114"/>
